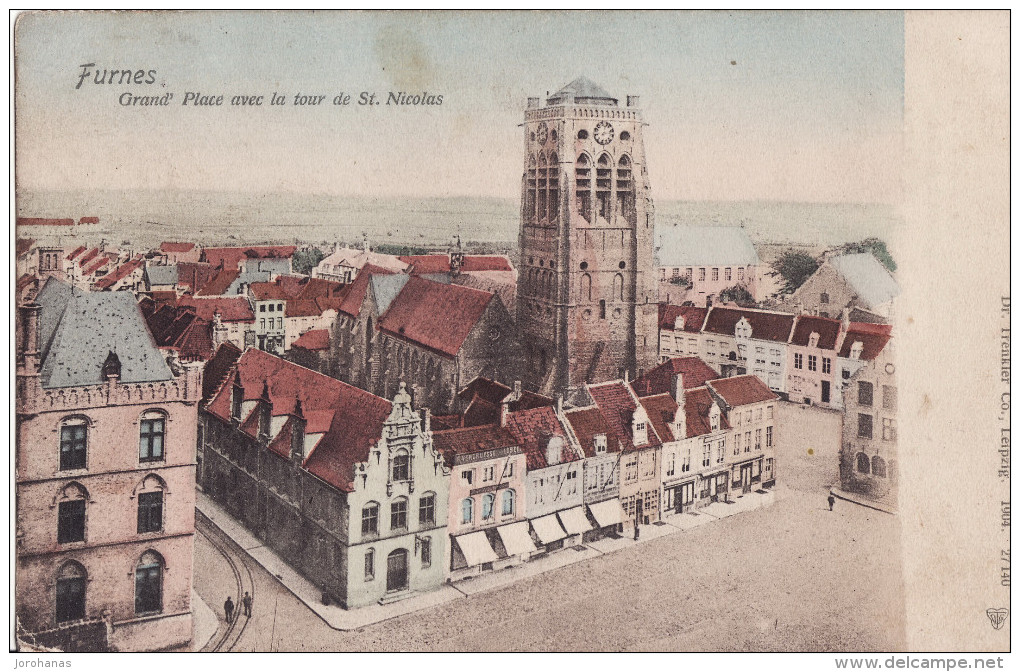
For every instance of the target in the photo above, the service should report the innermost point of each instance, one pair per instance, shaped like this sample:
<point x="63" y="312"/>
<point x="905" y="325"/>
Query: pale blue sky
<point x="812" y="110"/>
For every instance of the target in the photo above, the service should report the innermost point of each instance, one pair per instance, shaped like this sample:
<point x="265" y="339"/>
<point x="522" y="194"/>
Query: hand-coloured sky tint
<point x="746" y="105"/>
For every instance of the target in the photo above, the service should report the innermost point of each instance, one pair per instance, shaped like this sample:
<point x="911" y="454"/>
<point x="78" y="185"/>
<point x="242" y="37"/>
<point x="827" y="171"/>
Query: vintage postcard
<point x="512" y="332"/>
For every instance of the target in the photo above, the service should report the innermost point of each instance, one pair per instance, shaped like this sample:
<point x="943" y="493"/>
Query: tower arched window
<point x="554" y="186"/>
<point x="531" y="187"/>
<point x="618" y="287"/>
<point x="71" y="586"/>
<point x="585" y="287"/>
<point x="149" y="583"/>
<point x="543" y="185"/>
<point x="604" y="186"/>
<point x="625" y="188"/>
<point x="582" y="179"/>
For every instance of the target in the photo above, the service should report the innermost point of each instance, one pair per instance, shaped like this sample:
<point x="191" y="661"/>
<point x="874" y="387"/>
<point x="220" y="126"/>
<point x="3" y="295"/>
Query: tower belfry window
<point x="543" y="181"/>
<point x="582" y="176"/>
<point x="554" y="186"/>
<point x="603" y="186"/>
<point x="625" y="188"/>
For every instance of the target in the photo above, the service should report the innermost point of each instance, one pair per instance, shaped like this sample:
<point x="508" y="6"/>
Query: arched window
<point x="71" y="584"/>
<point x="151" y="436"/>
<point x="543" y="185"/>
<point x="604" y="185"/>
<point x="370" y="519"/>
<point x="618" y="287"/>
<point x="878" y="466"/>
<point x="602" y="309"/>
<point x="509" y="504"/>
<point x="401" y="466"/>
<point x="467" y="510"/>
<point x="625" y="187"/>
<point x="149" y="583"/>
<point x="554" y="185"/>
<point x="582" y="178"/>
<point x="150" y="504"/>
<point x="488" y="505"/>
<point x="71" y="514"/>
<point x="585" y="287"/>
<point x="73" y="443"/>
<point x="863" y="463"/>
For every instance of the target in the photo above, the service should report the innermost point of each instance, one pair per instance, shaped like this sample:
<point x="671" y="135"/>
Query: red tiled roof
<point x="467" y="440"/>
<point x="75" y="252"/>
<point x="354" y="416"/>
<point x="164" y="296"/>
<point x="765" y="325"/>
<point x="873" y="337"/>
<point x="532" y="430"/>
<point x="697" y="407"/>
<point x="826" y="328"/>
<point x="660" y="379"/>
<point x="178" y="327"/>
<point x="615" y="401"/>
<point x="282" y="443"/>
<point x="219" y="284"/>
<point x="231" y="308"/>
<point x="475" y="263"/>
<point x="122" y="272"/>
<point x="694" y="317"/>
<point x="440" y="422"/>
<point x="95" y="265"/>
<point x="267" y="291"/>
<point x="88" y="220"/>
<point x="661" y="410"/>
<point x="427" y="263"/>
<point x="44" y="221"/>
<point x="23" y="245"/>
<point x="218" y="368"/>
<point x="354" y="293"/>
<point x="231" y="257"/>
<point x="437" y="316"/>
<point x="302" y="308"/>
<point x="88" y="256"/>
<point x="195" y="275"/>
<point x="169" y="246"/>
<point x="742" y="390"/>
<point x="313" y="339"/>
<point x="587" y="423"/>
<point x="424" y="264"/>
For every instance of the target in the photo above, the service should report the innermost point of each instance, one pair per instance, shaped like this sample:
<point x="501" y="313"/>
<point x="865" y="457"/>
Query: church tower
<point x="586" y="294"/>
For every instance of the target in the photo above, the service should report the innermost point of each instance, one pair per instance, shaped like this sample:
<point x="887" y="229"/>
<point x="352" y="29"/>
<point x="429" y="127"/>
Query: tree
<point x="739" y="295"/>
<point x="305" y="260"/>
<point x="795" y="267"/>
<point x="875" y="246"/>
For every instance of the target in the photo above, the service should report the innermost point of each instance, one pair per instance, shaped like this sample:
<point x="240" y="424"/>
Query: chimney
<point x="30" y="336"/>
<point x="677" y="388"/>
<point x="504" y="412"/>
<point x="633" y="101"/>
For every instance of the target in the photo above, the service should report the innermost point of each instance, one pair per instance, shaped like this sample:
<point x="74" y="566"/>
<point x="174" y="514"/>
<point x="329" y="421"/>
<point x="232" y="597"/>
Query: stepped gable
<point x="435" y="315"/>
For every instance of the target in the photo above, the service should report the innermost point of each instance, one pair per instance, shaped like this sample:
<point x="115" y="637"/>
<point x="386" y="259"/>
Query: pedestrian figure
<point x="637" y="531"/>
<point x="228" y="609"/>
<point x="832" y="500"/>
<point x="246" y="601"/>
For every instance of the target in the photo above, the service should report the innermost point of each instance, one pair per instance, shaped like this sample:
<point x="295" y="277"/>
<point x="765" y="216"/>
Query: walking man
<point x="228" y="609"/>
<point x="832" y="500"/>
<point x="246" y="602"/>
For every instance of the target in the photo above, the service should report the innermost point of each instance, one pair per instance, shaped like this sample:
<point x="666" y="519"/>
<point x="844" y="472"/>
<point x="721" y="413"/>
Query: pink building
<point x="105" y="473"/>
<point x="180" y="252"/>
<point x="696" y="263"/>
<point x="811" y="371"/>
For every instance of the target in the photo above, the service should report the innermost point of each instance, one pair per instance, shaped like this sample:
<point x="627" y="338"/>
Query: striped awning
<point x="607" y="513"/>
<point x="476" y="549"/>
<point x="548" y="529"/>
<point x="574" y="521"/>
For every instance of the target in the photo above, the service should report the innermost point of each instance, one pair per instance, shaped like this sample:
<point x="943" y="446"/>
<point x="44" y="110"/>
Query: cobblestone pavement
<point x="792" y="576"/>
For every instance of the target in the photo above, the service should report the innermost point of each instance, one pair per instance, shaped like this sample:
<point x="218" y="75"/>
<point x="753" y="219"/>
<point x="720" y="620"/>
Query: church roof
<point x="582" y="90"/>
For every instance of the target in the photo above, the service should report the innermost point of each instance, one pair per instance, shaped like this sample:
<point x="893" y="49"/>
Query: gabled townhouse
<point x="488" y="523"/>
<point x="160" y="278"/>
<point x="344" y="264"/>
<point x="868" y="456"/>
<point x="696" y="263"/>
<point x="811" y="360"/>
<point x="597" y="443"/>
<point x="268" y="302"/>
<point x="679" y="330"/>
<point x="126" y="276"/>
<point x="271" y="260"/>
<point x="640" y="451"/>
<point x="104" y="476"/>
<point x="347" y="487"/>
<point x="736" y="341"/>
<point x="750" y="409"/>
<point x="860" y="343"/>
<point x="854" y="281"/>
<point x="231" y="317"/>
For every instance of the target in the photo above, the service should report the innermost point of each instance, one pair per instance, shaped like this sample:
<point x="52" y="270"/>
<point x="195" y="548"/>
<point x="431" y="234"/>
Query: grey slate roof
<point x="162" y="275"/>
<point x="705" y="245"/>
<point x="78" y="330"/>
<point x="386" y="287"/>
<point x="582" y="90"/>
<point x="867" y="276"/>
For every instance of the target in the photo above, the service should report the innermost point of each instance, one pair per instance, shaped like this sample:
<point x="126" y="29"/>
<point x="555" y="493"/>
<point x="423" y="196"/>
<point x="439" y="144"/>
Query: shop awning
<point x="607" y="513"/>
<point x="516" y="538"/>
<point x="548" y="529"/>
<point x="574" y="521"/>
<point x="476" y="548"/>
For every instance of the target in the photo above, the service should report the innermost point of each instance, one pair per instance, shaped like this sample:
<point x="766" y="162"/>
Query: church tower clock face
<point x="603" y="133"/>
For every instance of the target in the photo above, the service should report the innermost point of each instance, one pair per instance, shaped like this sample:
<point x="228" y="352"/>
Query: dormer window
<point x="856" y="349"/>
<point x="236" y="399"/>
<point x="714" y="418"/>
<point x="678" y="323"/>
<point x="813" y="340"/>
<point x="743" y="328"/>
<point x="265" y="418"/>
<point x="639" y="428"/>
<point x="601" y="444"/>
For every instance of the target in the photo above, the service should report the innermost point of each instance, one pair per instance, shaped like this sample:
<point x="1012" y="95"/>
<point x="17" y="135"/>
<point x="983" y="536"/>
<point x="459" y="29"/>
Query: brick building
<point x="104" y="471"/>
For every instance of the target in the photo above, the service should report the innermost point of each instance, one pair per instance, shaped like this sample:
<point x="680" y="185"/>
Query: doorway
<point x="745" y="477"/>
<point x="825" y="391"/>
<point x="396" y="571"/>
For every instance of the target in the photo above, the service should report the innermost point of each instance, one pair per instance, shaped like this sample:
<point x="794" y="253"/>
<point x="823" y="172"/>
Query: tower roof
<point x="582" y="91"/>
